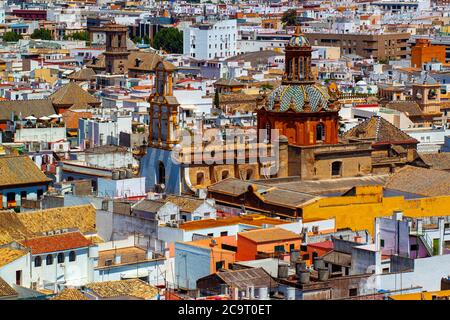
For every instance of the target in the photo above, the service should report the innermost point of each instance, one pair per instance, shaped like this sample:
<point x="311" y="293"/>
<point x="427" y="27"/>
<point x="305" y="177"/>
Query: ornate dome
<point x="299" y="40"/>
<point x="297" y="95"/>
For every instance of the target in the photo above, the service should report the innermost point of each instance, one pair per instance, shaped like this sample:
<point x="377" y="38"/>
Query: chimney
<point x="377" y="234"/>
<point x="419" y="227"/>
<point x="397" y="215"/>
<point x="441" y="224"/>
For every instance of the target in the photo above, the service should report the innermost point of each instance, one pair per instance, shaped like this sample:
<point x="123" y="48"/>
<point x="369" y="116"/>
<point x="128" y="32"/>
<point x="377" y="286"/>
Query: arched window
<point x="249" y="174"/>
<point x="37" y="262"/>
<point x="225" y="174"/>
<point x="200" y="178"/>
<point x="161" y="173"/>
<point x="72" y="256"/>
<point x="49" y="260"/>
<point x="61" y="257"/>
<point x="320" y="132"/>
<point x="336" y="168"/>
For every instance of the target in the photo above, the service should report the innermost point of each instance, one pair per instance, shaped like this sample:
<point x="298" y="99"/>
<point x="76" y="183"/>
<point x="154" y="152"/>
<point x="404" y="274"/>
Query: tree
<point x="289" y="17"/>
<point x="42" y="34"/>
<point x="169" y="39"/>
<point x="11" y="36"/>
<point x="137" y="40"/>
<point x="79" y="35"/>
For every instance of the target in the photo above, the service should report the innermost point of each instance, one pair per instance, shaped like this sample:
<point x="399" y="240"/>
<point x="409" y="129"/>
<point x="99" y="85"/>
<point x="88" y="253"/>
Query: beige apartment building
<point x="391" y="46"/>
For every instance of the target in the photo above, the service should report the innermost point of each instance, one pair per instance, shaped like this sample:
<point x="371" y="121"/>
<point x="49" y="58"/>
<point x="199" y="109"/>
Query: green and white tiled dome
<point x="317" y="96"/>
<point x="299" y="41"/>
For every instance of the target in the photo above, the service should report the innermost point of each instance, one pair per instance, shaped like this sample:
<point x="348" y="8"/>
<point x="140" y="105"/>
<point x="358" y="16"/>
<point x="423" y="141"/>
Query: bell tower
<point x="116" y="54"/>
<point x="298" y="59"/>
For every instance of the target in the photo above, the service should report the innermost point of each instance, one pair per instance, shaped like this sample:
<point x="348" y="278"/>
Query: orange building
<point x="270" y="241"/>
<point x="300" y="109"/>
<point x="424" y="52"/>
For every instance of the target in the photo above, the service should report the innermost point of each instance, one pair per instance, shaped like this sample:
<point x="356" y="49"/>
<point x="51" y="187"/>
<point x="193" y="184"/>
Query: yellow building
<point x="361" y="205"/>
<point x="433" y="295"/>
<point x="45" y="75"/>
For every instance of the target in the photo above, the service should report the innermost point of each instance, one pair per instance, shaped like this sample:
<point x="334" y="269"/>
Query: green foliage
<point x="137" y="40"/>
<point x="169" y="39"/>
<point x="42" y="34"/>
<point x="266" y="86"/>
<point x="289" y="17"/>
<point x="11" y="37"/>
<point x="80" y="35"/>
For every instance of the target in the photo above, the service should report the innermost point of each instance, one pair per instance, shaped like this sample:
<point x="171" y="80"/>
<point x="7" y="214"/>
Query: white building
<point x="125" y="259"/>
<point x="211" y="40"/>
<point x="121" y="188"/>
<point x="65" y="259"/>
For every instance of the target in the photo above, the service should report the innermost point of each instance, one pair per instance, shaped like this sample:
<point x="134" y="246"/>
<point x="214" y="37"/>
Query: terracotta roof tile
<point x="8" y="255"/>
<point x="426" y="182"/>
<point x="18" y="226"/>
<point x="69" y="294"/>
<point x="132" y="288"/>
<point x="5" y="289"/>
<point x="16" y="170"/>
<point x="269" y="235"/>
<point x="73" y="95"/>
<point x="59" y="242"/>
<point x="378" y="130"/>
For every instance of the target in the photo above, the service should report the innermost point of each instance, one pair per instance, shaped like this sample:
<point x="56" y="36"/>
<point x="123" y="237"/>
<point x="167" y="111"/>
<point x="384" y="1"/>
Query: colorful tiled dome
<point x="299" y="41"/>
<point x="316" y="94"/>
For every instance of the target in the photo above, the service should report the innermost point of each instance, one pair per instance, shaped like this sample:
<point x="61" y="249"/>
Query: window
<point x="219" y="265"/>
<point x="336" y="169"/>
<point x="161" y="173"/>
<point x="319" y="132"/>
<point x="224" y="233"/>
<point x="200" y="178"/>
<point x="37" y="262"/>
<point x="72" y="256"/>
<point x="291" y="247"/>
<point x="382" y="243"/>
<point x="19" y="277"/>
<point x="210" y="234"/>
<point x="279" y="248"/>
<point x="305" y="256"/>
<point x="23" y="194"/>
<point x="353" y="292"/>
<point x="49" y="260"/>
<point x="225" y="174"/>
<point x="61" y="257"/>
<point x="40" y="192"/>
<point x="173" y="216"/>
<point x="249" y="174"/>
<point x="414" y="247"/>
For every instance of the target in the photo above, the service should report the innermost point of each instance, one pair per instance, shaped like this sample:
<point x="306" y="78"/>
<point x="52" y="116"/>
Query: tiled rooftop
<point x="59" y="242"/>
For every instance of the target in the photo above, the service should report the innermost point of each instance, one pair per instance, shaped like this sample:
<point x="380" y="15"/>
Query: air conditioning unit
<point x="34" y="285"/>
<point x="50" y="233"/>
<point x="108" y="262"/>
